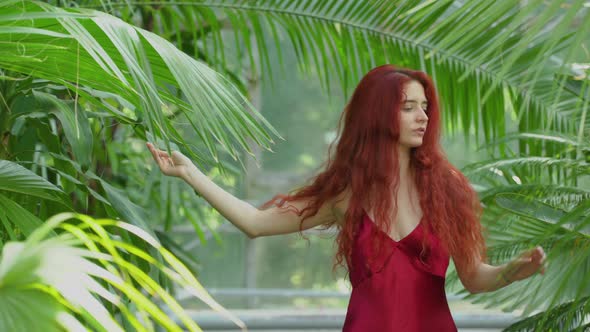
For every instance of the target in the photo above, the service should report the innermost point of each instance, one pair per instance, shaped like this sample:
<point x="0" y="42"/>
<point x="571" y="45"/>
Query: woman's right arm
<point x="250" y="220"/>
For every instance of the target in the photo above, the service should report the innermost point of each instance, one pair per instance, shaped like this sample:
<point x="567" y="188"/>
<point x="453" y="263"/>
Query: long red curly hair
<point x="365" y="163"/>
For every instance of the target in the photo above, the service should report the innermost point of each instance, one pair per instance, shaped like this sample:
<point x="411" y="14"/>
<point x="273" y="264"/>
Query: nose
<point x="422" y="116"/>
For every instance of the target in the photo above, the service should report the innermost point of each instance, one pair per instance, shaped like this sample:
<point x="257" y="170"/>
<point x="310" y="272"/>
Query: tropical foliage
<point x="533" y="200"/>
<point x="83" y="89"/>
<point x="57" y="280"/>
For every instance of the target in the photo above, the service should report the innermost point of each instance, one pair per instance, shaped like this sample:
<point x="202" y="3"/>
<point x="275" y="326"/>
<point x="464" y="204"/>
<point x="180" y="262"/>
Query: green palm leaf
<point x="17" y="179"/>
<point x="566" y="317"/>
<point x="522" y="167"/>
<point x="542" y="136"/>
<point x="75" y="272"/>
<point x="517" y="223"/>
<point x="75" y="125"/>
<point x="556" y="195"/>
<point x="14" y="216"/>
<point x="140" y="67"/>
<point x="484" y="58"/>
<point x="29" y="310"/>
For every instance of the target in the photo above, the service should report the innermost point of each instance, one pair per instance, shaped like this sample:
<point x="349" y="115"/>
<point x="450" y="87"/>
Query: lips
<point x="420" y="130"/>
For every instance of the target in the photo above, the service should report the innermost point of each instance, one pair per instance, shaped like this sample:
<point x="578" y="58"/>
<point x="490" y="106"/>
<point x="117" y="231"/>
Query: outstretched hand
<point x="526" y="264"/>
<point x="175" y="165"/>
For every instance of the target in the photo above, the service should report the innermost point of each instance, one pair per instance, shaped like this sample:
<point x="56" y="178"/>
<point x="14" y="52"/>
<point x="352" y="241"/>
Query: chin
<point x="412" y="144"/>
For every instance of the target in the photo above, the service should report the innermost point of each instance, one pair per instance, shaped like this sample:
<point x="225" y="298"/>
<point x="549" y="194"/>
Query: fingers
<point x="527" y="264"/>
<point x="536" y="252"/>
<point x="161" y="157"/>
<point x="542" y="261"/>
<point x="538" y="255"/>
<point x="154" y="152"/>
<point x="532" y="260"/>
<point x="158" y="157"/>
<point x="538" y="258"/>
<point x="157" y="153"/>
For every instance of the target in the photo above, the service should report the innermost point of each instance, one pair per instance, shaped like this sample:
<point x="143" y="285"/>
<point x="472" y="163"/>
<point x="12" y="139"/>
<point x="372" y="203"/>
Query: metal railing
<point x="277" y="292"/>
<point x="313" y="319"/>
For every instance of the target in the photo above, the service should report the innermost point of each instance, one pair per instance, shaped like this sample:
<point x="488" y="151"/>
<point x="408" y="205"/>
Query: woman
<point x="402" y="210"/>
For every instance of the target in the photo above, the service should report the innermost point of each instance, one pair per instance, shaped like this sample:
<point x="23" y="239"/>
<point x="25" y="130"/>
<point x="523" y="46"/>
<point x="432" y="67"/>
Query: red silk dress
<point x="399" y="292"/>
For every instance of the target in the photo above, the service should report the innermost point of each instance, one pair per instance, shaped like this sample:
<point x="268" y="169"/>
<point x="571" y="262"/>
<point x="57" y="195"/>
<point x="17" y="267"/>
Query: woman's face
<point x="413" y="115"/>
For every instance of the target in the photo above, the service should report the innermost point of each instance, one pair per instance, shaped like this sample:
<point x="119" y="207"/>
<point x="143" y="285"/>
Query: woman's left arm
<point x="488" y="278"/>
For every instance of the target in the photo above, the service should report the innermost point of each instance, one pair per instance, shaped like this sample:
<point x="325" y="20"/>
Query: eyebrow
<point x="415" y="101"/>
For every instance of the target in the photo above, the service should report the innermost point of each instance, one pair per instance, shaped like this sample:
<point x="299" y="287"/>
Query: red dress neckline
<point x="395" y="289"/>
<point x="373" y="224"/>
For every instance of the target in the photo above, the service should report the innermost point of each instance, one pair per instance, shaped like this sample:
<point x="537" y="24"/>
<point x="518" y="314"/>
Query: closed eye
<point x="409" y="103"/>
<point x="409" y="108"/>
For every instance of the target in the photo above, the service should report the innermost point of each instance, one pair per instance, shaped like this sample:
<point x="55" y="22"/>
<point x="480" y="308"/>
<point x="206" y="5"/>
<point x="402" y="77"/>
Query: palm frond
<point x="140" y="67"/>
<point x="565" y="317"/>
<point x="501" y="56"/>
<point x="17" y="179"/>
<point x="45" y="269"/>
<point x="520" y="169"/>
<point x="74" y="123"/>
<point x="546" y="137"/>
<point x="16" y="220"/>
<point x="555" y="195"/>
<point x="516" y="223"/>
